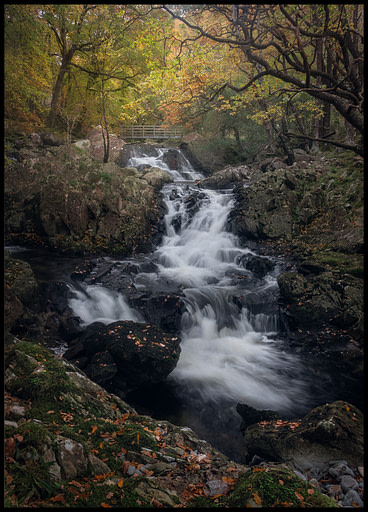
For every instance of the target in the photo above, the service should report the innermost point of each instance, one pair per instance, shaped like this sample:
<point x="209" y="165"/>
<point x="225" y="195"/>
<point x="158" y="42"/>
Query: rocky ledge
<point x="68" y="442"/>
<point x="61" y="196"/>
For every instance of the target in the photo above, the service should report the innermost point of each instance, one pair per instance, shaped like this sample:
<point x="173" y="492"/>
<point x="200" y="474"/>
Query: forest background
<point x="245" y="77"/>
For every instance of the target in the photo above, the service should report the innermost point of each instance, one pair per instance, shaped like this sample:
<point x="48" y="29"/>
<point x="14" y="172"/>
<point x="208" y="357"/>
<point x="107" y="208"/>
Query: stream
<point x="231" y="351"/>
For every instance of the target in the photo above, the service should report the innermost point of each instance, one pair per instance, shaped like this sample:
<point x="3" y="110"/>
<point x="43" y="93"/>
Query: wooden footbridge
<point x="149" y="131"/>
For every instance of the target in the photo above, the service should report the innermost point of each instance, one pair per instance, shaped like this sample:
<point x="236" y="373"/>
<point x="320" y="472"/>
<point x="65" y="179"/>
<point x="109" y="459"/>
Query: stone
<point x="70" y="457"/>
<point x="160" y="467"/>
<point x="215" y="487"/>
<point x="17" y="411"/>
<point x="329" y="431"/>
<point x="98" y="466"/>
<point x="352" y="499"/>
<point x="48" y="455"/>
<point x="340" y="469"/>
<point x="146" y="489"/>
<point x="9" y="423"/>
<point x="35" y="139"/>
<point x="348" y="483"/>
<point x="138" y="354"/>
<point x="83" y="144"/>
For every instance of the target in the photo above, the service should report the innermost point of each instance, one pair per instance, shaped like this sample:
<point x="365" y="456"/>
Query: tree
<point x="285" y="42"/>
<point x="75" y="32"/>
<point x="27" y="71"/>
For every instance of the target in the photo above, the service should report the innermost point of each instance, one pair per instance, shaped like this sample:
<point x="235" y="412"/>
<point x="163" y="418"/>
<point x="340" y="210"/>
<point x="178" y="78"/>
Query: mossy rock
<point x="276" y="486"/>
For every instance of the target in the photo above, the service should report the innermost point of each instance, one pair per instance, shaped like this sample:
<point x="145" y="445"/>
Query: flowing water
<point x="230" y="353"/>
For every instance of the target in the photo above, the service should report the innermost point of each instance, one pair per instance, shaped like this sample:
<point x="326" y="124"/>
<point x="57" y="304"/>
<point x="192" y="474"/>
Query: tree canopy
<point x="293" y="70"/>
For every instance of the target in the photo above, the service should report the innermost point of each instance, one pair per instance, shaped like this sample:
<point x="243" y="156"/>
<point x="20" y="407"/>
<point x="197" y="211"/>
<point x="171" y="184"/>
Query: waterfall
<point x="229" y="354"/>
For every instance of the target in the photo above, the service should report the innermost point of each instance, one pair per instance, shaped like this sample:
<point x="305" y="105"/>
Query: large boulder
<point x="226" y="178"/>
<point x="156" y="177"/>
<point x="322" y="298"/>
<point x="125" y="354"/>
<point x="329" y="432"/>
<point x="66" y="201"/>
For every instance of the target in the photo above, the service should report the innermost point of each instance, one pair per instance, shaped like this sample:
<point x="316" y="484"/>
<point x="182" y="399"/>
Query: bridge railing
<point x="148" y="131"/>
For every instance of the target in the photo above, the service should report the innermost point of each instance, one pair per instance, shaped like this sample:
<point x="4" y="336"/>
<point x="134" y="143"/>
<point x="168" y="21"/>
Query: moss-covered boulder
<point x="62" y="198"/>
<point x="330" y="431"/>
<point x="125" y="355"/>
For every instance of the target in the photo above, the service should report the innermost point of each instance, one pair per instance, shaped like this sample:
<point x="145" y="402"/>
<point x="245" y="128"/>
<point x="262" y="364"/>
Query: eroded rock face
<point x="330" y="431"/>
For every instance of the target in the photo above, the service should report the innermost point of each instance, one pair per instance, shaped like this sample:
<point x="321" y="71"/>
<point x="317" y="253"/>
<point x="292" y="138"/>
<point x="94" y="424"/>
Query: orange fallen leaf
<point x="58" y="498"/>
<point x="281" y="482"/>
<point x="310" y="492"/>
<point x="257" y="499"/>
<point x="94" y="428"/>
<point x="105" y="505"/>
<point x="121" y="482"/>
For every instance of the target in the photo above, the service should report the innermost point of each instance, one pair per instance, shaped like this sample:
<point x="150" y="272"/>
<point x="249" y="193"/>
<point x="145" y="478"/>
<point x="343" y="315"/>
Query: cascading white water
<point x="99" y="304"/>
<point x="227" y="354"/>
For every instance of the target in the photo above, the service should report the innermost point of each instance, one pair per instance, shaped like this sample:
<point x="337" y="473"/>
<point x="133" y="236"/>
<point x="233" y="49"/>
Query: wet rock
<point x="102" y="368"/>
<point x="165" y="311"/>
<point x="129" y="150"/>
<point x="259" y="265"/>
<point x="331" y="430"/>
<point x="20" y="281"/>
<point x="322" y="298"/>
<point x="250" y="415"/>
<point x="70" y="328"/>
<point x="139" y="354"/>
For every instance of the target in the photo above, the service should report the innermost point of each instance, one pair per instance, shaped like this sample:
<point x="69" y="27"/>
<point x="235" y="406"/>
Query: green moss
<point x="40" y="375"/>
<point x="33" y="433"/>
<point x="276" y="487"/>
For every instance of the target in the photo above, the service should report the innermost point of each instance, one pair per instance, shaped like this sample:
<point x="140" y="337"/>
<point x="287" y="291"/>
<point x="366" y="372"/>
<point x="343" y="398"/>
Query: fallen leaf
<point x="121" y="483"/>
<point x="105" y="505"/>
<point x="299" y="496"/>
<point x="58" y="498"/>
<point x="257" y="499"/>
<point x="310" y="492"/>
<point x="281" y="482"/>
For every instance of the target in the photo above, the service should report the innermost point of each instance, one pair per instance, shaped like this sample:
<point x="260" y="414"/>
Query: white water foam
<point x="225" y="354"/>
<point x="94" y="303"/>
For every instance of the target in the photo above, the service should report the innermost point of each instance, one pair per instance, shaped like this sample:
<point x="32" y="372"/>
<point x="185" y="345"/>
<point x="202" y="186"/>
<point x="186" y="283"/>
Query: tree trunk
<point x="65" y="64"/>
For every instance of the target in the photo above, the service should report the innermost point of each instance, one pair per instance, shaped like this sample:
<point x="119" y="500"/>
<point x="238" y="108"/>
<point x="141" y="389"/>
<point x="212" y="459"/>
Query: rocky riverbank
<point x="68" y="442"/>
<point x="65" y="199"/>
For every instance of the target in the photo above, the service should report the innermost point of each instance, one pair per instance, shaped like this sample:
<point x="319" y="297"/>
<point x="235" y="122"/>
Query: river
<point x="231" y="351"/>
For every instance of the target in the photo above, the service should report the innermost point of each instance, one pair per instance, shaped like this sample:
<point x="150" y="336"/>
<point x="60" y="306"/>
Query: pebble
<point x="352" y="499"/>
<point x="343" y="483"/>
<point x="348" y="483"/>
<point x="338" y="470"/>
